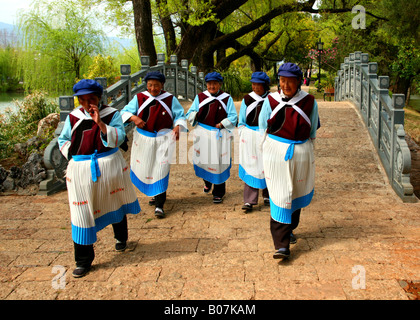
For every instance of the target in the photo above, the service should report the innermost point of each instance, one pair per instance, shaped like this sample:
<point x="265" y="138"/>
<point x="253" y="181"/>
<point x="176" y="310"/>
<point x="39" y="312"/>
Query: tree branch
<point x="223" y="8"/>
<point x="299" y="7"/>
<point x="244" y="50"/>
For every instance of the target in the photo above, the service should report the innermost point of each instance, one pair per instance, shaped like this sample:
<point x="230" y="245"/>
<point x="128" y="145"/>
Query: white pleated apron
<point x="96" y="204"/>
<point x="290" y="182"/>
<point x="251" y="168"/>
<point x="212" y="153"/>
<point x="151" y="157"/>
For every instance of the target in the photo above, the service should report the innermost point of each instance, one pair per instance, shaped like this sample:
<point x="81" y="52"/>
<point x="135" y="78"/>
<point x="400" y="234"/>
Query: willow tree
<point x="58" y="39"/>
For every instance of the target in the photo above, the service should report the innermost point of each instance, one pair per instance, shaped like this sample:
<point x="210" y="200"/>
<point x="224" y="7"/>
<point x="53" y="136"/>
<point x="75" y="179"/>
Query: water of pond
<point x="7" y="98"/>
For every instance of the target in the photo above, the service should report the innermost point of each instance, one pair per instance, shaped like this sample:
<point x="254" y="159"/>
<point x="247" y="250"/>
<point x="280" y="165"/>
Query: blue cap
<point x="87" y="86"/>
<point x="260" y="77"/>
<point x="213" y="76"/>
<point x="289" y="69"/>
<point x="154" y="75"/>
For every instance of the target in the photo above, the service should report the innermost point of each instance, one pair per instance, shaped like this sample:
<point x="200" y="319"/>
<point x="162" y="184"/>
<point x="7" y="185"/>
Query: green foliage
<point x="18" y="127"/>
<point x="56" y="30"/>
<point x="8" y="69"/>
<point x="407" y="63"/>
<point x="59" y="38"/>
<point x="328" y="80"/>
<point x="103" y="67"/>
<point x="125" y="55"/>
<point x="236" y="81"/>
<point x="298" y="32"/>
<point x="403" y="18"/>
<point x="194" y="12"/>
<point x="291" y="34"/>
<point x="390" y="37"/>
<point x="231" y="82"/>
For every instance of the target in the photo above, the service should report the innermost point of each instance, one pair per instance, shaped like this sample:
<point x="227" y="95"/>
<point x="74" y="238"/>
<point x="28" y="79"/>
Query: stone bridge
<point x="358" y="82"/>
<point x="358" y="239"/>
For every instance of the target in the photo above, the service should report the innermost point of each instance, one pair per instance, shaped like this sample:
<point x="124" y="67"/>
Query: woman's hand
<point x="94" y="113"/>
<point x="139" y="123"/>
<point x="175" y="132"/>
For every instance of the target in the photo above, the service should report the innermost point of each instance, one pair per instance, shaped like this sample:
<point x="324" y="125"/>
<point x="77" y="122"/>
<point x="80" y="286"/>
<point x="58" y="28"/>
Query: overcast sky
<point x="9" y="8"/>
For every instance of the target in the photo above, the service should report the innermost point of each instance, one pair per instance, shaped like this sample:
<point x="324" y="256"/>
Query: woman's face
<point x="154" y="87"/>
<point x="88" y="99"/>
<point x="258" y="88"/>
<point x="213" y="86"/>
<point x="289" y="85"/>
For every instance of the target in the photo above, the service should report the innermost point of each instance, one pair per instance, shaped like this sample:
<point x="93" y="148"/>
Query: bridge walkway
<point x="356" y="240"/>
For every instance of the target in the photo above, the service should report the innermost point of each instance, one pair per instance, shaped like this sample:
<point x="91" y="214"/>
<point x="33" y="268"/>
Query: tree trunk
<point x="402" y="85"/>
<point x="194" y="46"/>
<point x="221" y="54"/>
<point x="167" y="26"/>
<point x="144" y="29"/>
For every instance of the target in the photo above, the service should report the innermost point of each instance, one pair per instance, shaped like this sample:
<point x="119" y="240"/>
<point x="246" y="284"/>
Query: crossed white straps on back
<point x="79" y="114"/>
<point x="302" y="94"/>
<point x="253" y="105"/>
<point x="158" y="98"/>
<point x="210" y="98"/>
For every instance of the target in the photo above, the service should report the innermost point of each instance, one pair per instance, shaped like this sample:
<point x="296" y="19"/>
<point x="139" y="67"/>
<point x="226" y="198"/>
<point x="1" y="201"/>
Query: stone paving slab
<point x="356" y="240"/>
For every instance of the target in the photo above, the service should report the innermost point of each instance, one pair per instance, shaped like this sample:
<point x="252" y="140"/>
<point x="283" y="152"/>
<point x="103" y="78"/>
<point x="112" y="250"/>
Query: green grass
<point x="412" y="123"/>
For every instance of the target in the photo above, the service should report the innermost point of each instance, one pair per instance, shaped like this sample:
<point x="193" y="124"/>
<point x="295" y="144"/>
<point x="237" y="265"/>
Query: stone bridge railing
<point x="383" y="115"/>
<point x="181" y="82"/>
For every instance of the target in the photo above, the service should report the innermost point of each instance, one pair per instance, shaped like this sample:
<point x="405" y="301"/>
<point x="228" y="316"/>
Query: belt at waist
<point x="94" y="166"/>
<point x="153" y="134"/>
<point x="291" y="149"/>
<point x="211" y="128"/>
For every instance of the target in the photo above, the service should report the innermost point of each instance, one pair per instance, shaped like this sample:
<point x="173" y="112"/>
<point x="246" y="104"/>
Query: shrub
<point x="18" y="127"/>
<point x="232" y="83"/>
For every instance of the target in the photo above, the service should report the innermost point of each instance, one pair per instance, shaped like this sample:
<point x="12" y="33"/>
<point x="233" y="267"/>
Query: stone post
<point x="103" y="82"/>
<point x="125" y="70"/>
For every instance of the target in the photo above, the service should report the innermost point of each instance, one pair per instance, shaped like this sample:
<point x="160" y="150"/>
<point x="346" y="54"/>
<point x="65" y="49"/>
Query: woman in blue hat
<point x="251" y="169"/>
<point x="157" y="115"/>
<point x="290" y="120"/>
<point x="214" y="116"/>
<point x="98" y="181"/>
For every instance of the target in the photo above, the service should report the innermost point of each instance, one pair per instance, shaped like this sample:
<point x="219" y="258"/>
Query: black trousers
<point x="160" y="200"/>
<point x="84" y="254"/>
<point x="251" y="194"/>
<point x="281" y="231"/>
<point x="219" y="190"/>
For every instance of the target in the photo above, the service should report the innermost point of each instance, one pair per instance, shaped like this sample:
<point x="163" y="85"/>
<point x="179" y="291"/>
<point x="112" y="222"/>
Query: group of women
<point x="276" y="132"/>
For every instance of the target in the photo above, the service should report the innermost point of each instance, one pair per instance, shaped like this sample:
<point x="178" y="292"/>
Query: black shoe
<point x="247" y="207"/>
<point x="159" y="213"/>
<point x="292" y="238"/>
<point x="152" y="201"/>
<point x="217" y="200"/>
<point x="206" y="190"/>
<point x="266" y="201"/>
<point x="80" y="272"/>
<point x="281" y="253"/>
<point x="120" y="246"/>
